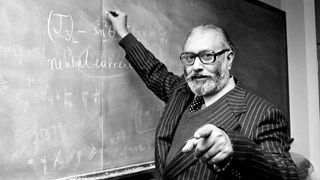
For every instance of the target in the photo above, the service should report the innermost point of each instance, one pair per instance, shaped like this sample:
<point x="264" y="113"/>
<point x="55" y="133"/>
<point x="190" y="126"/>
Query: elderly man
<point x="211" y="127"/>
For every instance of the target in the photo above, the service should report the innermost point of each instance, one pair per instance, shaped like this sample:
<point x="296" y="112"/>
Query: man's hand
<point x="119" y="22"/>
<point x="211" y="144"/>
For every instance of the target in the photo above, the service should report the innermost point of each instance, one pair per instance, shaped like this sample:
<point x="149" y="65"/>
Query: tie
<point x="196" y="104"/>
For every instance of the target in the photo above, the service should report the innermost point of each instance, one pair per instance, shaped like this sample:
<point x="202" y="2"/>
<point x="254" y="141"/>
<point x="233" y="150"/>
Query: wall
<point x="303" y="78"/>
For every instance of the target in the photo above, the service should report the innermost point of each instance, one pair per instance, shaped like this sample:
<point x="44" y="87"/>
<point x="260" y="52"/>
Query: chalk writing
<point x="44" y="134"/>
<point x="139" y="148"/>
<point x="30" y="161"/>
<point x="19" y="54"/>
<point x="107" y="33"/>
<point x="4" y="84"/>
<point x="79" y="153"/>
<point x="58" y="160"/>
<point x="44" y="162"/>
<point x="85" y="60"/>
<point x="62" y="26"/>
<point x="93" y="152"/>
<point x="146" y="115"/>
<point x="51" y="133"/>
<point x="119" y="138"/>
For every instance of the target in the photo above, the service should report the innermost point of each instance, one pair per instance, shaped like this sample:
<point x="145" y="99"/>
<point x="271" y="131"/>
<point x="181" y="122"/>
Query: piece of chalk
<point x="114" y="14"/>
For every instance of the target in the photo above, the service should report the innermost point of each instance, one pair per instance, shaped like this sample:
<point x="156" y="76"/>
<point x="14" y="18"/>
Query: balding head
<point x="221" y="34"/>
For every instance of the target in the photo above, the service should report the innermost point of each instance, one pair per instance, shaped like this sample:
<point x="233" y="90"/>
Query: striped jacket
<point x="256" y="128"/>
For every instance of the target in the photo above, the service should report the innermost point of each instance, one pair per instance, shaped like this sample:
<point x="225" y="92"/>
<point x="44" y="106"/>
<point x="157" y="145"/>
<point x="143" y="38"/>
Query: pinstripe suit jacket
<point x="256" y="128"/>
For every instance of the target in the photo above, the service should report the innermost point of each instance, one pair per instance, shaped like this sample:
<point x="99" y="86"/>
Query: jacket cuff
<point x="128" y="41"/>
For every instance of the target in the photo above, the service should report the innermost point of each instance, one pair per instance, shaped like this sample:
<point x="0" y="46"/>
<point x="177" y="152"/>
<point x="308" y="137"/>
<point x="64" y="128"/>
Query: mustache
<point x="198" y="75"/>
<point x="195" y="75"/>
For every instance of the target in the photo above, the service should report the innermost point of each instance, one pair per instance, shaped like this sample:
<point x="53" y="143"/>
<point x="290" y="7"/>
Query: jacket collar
<point x="236" y="99"/>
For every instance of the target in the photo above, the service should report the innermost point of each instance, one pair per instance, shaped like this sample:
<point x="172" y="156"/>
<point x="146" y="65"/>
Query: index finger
<point x="190" y="144"/>
<point x="204" y="131"/>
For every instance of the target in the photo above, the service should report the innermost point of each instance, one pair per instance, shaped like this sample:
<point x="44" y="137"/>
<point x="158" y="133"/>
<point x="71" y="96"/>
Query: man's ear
<point x="230" y="57"/>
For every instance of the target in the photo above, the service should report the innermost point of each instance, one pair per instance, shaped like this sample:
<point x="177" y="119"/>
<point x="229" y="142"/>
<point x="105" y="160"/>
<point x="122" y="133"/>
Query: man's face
<point x="207" y="79"/>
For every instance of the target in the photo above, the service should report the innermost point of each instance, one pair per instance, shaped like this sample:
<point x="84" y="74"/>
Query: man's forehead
<point x="203" y="38"/>
<point x="213" y="34"/>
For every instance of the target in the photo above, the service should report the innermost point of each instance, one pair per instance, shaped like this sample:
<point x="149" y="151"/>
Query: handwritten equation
<point x="108" y="56"/>
<point x="59" y="156"/>
<point x="77" y="52"/>
<point x="62" y="26"/>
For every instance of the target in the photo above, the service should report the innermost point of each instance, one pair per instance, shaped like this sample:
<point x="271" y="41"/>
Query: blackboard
<point x="71" y="105"/>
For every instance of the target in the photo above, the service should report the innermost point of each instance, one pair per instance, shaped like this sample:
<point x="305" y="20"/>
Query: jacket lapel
<point x="168" y="122"/>
<point x="226" y="117"/>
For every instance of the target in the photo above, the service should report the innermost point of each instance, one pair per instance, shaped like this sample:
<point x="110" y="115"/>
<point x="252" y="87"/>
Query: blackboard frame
<point x="147" y="170"/>
<point x="136" y="171"/>
<point x="286" y="80"/>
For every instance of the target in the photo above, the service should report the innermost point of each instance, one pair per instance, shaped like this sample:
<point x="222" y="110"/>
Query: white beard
<point x="203" y="87"/>
<point x="208" y="86"/>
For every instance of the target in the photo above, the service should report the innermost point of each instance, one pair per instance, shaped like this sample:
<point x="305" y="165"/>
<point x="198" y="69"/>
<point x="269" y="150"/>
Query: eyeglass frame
<point x="215" y="55"/>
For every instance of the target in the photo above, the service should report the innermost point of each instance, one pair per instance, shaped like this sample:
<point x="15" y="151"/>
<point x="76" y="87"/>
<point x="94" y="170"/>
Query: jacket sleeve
<point x="266" y="155"/>
<point x="150" y="69"/>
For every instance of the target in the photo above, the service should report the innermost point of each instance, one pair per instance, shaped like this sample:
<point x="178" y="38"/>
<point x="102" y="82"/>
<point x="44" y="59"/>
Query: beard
<point x="206" y="84"/>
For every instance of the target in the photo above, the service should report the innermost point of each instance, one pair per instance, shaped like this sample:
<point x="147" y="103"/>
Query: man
<point x="211" y="127"/>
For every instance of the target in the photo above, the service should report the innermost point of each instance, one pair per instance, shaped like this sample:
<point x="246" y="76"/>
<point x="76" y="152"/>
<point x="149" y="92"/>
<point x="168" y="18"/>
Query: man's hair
<point x="210" y="27"/>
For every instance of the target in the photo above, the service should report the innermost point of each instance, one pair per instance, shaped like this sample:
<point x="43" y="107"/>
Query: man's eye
<point x="207" y="56"/>
<point x="190" y="56"/>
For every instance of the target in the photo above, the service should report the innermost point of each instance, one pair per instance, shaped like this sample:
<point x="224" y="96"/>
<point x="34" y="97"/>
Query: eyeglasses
<point x="206" y="57"/>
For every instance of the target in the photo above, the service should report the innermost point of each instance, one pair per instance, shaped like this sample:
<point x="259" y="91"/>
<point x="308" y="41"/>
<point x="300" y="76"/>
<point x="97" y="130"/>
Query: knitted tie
<point x="196" y="104"/>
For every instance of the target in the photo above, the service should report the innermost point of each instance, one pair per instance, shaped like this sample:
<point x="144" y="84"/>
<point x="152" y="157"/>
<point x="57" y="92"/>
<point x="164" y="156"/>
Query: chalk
<point x="114" y="14"/>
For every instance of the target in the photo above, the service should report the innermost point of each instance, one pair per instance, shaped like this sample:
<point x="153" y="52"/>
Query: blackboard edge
<point x="116" y="173"/>
<point x="281" y="13"/>
<point x="266" y="6"/>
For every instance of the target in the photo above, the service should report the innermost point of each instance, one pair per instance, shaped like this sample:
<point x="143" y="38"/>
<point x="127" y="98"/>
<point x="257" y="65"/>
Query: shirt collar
<point x="228" y="87"/>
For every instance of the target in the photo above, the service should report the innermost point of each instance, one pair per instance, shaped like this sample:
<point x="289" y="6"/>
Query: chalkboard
<point x="72" y="106"/>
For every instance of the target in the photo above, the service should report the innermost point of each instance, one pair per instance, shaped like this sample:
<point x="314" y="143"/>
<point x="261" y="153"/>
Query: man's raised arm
<point x="154" y="73"/>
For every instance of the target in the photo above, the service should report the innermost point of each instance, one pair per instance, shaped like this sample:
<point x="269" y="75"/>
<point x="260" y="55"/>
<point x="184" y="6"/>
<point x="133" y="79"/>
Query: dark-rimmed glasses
<point x="206" y="57"/>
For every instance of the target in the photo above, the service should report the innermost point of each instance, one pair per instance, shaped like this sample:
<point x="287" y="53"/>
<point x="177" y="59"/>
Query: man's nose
<point x="197" y="65"/>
